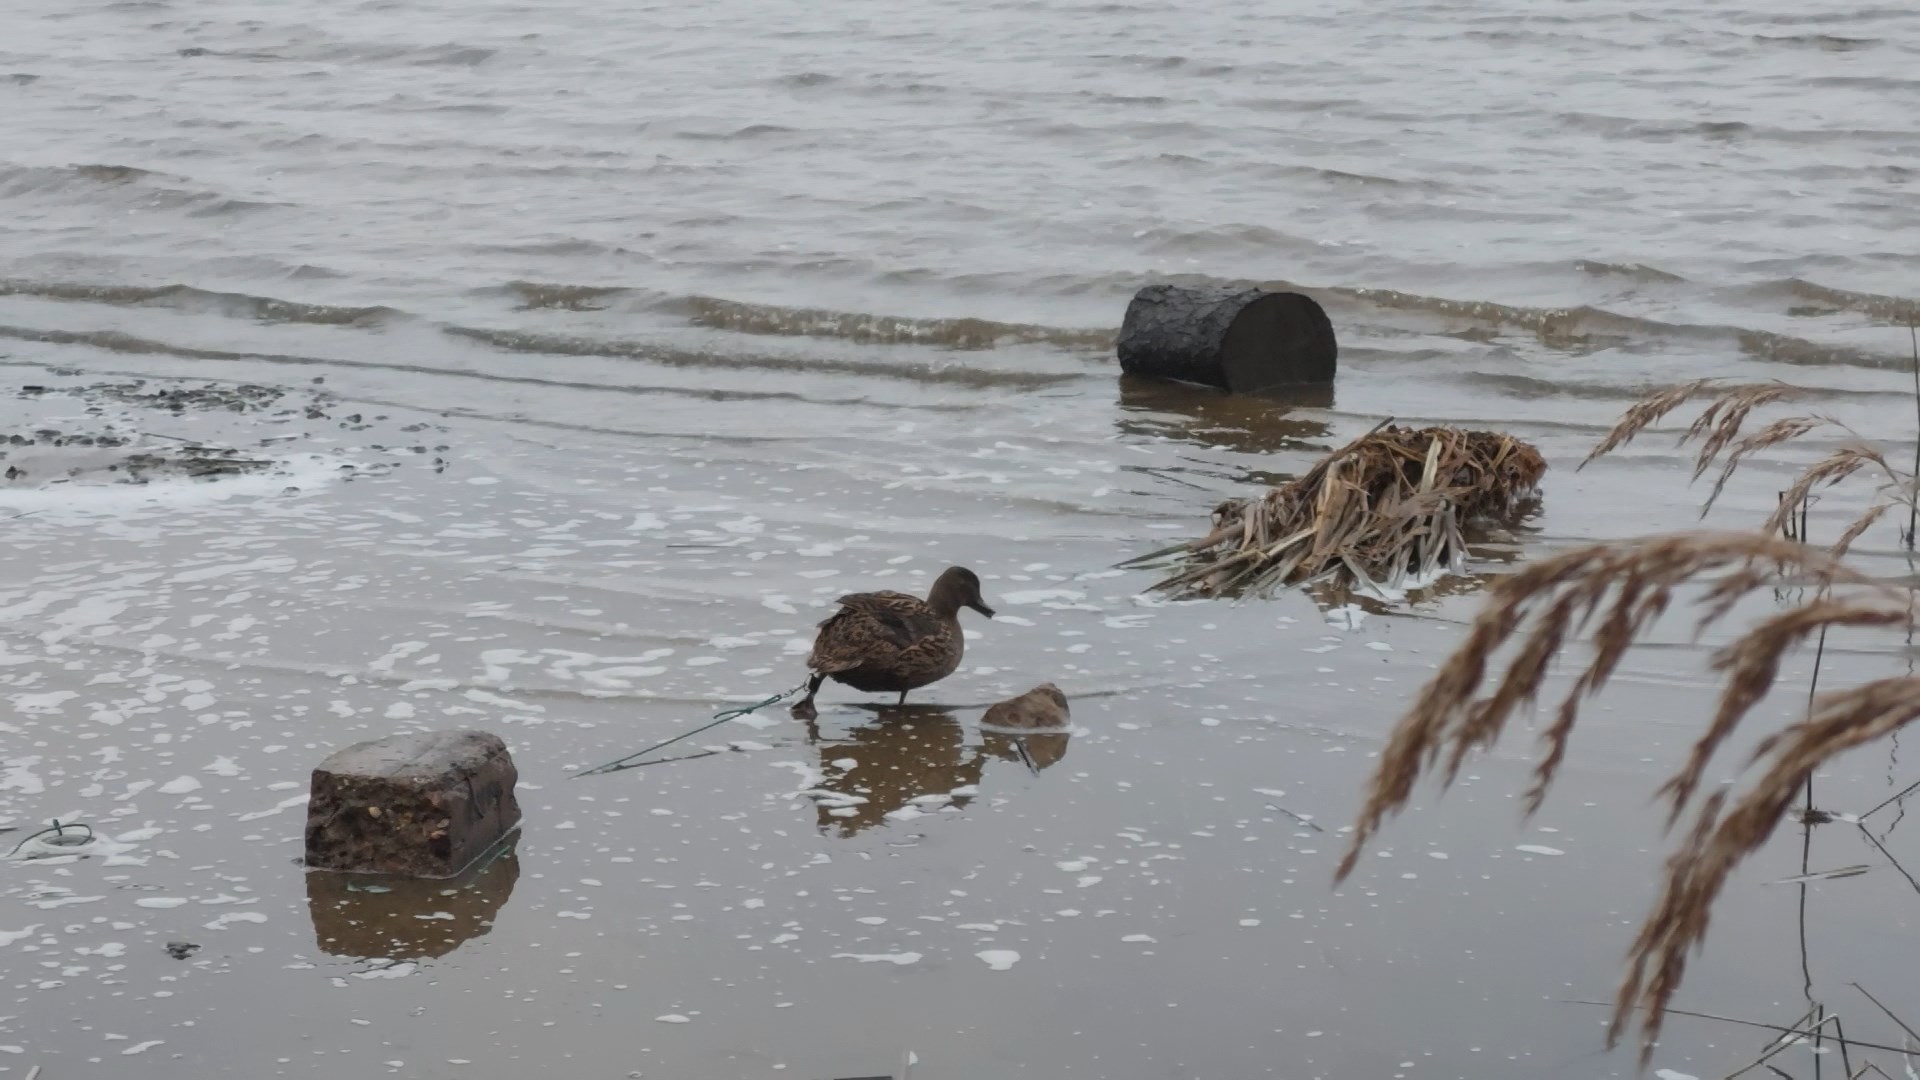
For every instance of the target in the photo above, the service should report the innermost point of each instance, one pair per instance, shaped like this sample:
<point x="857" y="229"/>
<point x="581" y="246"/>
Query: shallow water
<point x="606" y="346"/>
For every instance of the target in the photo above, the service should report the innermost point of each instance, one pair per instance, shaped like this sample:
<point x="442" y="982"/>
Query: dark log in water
<point x="1240" y="340"/>
<point x="424" y="805"/>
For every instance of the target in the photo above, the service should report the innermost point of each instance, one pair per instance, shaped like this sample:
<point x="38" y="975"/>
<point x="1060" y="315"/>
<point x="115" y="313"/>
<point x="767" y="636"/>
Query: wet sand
<point x="1146" y="895"/>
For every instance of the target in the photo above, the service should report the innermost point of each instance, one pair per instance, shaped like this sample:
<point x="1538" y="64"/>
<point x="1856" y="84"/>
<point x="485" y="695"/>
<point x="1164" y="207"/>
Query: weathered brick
<point x="423" y="805"/>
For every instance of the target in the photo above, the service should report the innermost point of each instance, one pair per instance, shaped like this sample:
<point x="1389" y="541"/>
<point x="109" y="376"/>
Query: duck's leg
<point x="803" y="709"/>
<point x="902" y="701"/>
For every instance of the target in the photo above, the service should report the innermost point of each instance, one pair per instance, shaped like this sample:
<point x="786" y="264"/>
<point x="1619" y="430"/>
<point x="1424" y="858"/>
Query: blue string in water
<point x="719" y="718"/>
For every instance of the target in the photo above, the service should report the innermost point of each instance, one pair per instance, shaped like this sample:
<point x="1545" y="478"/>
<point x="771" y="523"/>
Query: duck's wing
<point x="872" y="630"/>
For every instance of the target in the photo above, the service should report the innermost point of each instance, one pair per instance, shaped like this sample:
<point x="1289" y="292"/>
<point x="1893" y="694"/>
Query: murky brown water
<point x="640" y="333"/>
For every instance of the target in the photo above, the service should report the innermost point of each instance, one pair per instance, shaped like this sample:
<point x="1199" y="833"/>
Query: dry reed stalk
<point x="1782" y="430"/>
<point x="1718" y="427"/>
<point x="1700" y="867"/>
<point x="1718" y="424"/>
<point x="1618" y="590"/>
<point x="1829" y="471"/>
<point x="1385" y="508"/>
<point x="1647" y="412"/>
<point x="1721" y="421"/>
<point x="1749" y="664"/>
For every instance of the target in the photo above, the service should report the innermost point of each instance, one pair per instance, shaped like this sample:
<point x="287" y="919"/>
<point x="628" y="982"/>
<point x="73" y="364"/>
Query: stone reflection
<point x="1248" y="423"/>
<point x="371" y="916"/>
<point x="1036" y="751"/>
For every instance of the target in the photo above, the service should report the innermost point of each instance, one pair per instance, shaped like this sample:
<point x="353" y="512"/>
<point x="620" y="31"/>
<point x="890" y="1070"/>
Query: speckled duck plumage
<point x="891" y="642"/>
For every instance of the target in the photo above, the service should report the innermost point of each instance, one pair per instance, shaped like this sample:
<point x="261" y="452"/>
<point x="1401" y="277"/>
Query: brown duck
<point x="882" y="642"/>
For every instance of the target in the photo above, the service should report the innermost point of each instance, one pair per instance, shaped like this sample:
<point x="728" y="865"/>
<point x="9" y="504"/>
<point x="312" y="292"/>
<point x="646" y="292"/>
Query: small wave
<point x="751" y="131"/>
<point x="884" y="87"/>
<point x="1636" y="271"/>
<point x="1640" y="128"/>
<point x="217" y="207"/>
<point x="1587" y="325"/>
<point x="1320" y="174"/>
<point x="187" y="297"/>
<point x="537" y="294"/>
<point x="1219" y="240"/>
<point x="1785" y="349"/>
<point x="118" y="342"/>
<point x="1897" y="310"/>
<point x="1876" y="83"/>
<point x="1725" y="130"/>
<point x="194" y="51"/>
<point x="567" y="345"/>
<point x="1548" y="322"/>
<point x="452" y="55"/>
<point x="1822" y="42"/>
<point x="111" y="174"/>
<point x="962" y="333"/>
<point x="800" y="80"/>
<point x="33" y="180"/>
<point x="1297" y="105"/>
<point x="1149" y="60"/>
<point x="558" y="246"/>
<point x="1101" y="98"/>
<point x="446" y="54"/>
<point x="126" y="185"/>
<point x="1514" y="384"/>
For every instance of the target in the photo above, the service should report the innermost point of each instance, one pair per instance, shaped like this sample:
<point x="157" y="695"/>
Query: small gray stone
<point x="423" y="805"/>
<point x="1042" y="708"/>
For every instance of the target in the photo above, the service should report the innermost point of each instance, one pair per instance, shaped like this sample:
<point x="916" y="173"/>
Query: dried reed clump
<point x="1619" y="589"/>
<point x="1387" y="508"/>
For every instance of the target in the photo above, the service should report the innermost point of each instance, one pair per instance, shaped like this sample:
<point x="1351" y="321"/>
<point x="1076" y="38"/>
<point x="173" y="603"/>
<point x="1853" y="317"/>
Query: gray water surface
<point x="605" y="345"/>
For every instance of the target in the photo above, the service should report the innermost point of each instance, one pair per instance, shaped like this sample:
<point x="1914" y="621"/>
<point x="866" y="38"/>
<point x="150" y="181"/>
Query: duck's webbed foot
<point x="803" y="709"/>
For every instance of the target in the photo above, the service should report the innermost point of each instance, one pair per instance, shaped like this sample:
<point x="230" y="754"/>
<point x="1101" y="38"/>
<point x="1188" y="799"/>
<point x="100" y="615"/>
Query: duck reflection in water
<point x="913" y="756"/>
<point x="381" y="917"/>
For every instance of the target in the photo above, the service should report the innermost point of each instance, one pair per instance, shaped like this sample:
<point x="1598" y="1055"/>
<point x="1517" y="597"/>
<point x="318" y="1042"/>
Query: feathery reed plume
<point x="1750" y="663"/>
<point x="1719" y="424"/>
<point x="1386" y="508"/>
<point x="1913" y="500"/>
<point x="1626" y="584"/>
<point x="1829" y="471"/>
<point x="1860" y="525"/>
<point x="1618" y="590"/>
<point x="1645" y="413"/>
<point x="1719" y="842"/>
<point x="1718" y="427"/>
<point x="1782" y="430"/>
<point x="1721" y="420"/>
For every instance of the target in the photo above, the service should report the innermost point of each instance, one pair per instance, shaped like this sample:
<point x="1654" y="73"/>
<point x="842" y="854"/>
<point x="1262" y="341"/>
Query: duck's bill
<point x="984" y="610"/>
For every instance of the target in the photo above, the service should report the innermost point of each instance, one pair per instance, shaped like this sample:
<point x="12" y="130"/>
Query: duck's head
<point x="955" y="588"/>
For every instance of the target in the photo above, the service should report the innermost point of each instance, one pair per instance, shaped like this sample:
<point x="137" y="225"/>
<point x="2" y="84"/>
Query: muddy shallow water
<point x="1145" y="895"/>
<point x="551" y="370"/>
